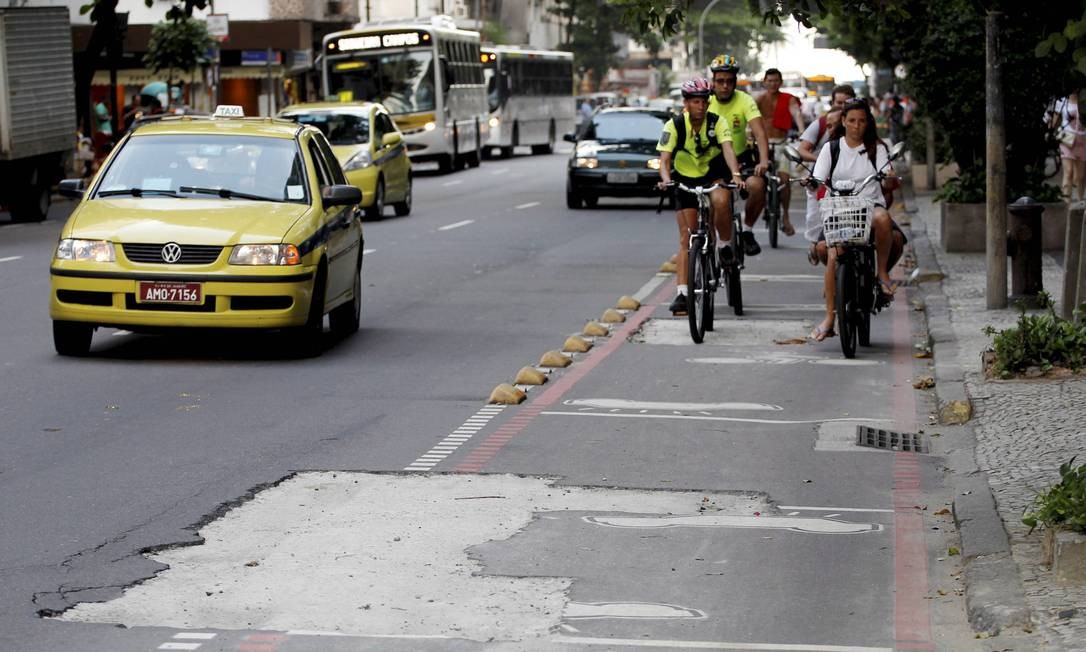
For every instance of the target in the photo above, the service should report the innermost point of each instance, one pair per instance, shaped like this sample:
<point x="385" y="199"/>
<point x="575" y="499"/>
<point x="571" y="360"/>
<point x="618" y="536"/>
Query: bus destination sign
<point x="375" y="41"/>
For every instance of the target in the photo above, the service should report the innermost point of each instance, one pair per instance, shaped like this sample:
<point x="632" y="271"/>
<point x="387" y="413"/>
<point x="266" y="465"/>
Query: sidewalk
<point x="1023" y="431"/>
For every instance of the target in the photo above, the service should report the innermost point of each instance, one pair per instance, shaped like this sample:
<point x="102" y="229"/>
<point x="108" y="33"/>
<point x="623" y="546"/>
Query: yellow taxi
<point x="368" y="146"/>
<point x="222" y="222"/>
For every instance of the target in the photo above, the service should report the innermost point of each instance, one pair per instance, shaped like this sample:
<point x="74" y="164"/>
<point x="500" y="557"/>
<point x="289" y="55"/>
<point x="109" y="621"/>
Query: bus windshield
<point x="495" y="95"/>
<point x="403" y="80"/>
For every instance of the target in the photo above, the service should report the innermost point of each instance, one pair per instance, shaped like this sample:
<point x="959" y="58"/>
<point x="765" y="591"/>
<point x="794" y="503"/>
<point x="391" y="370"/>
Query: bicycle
<point x="772" y="198"/>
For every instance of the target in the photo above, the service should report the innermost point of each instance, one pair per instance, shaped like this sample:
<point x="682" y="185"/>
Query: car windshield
<point x="252" y="166"/>
<point x="339" y="128"/>
<point x="625" y="127"/>
<point x="403" y="80"/>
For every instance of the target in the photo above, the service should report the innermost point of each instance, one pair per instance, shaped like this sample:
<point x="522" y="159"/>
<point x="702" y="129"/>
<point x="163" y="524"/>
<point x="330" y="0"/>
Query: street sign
<point x="218" y="27"/>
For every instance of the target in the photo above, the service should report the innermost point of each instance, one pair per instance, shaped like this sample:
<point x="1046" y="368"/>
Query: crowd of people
<point x="724" y="134"/>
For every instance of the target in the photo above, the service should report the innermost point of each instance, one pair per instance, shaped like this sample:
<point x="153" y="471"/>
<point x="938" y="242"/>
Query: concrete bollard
<point x="1072" y="260"/>
<point x="1024" y="248"/>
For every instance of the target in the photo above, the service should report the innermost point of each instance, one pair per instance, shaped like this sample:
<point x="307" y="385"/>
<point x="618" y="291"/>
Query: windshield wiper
<point x="226" y="193"/>
<point x="137" y="192"/>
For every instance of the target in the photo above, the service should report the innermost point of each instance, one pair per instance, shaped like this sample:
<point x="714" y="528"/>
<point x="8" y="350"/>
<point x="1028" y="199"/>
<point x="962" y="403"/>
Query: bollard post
<point x="1072" y="264"/>
<point x="1025" y="249"/>
<point x="1080" y="294"/>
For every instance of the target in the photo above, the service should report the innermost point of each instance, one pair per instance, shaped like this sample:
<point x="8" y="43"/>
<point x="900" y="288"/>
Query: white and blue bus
<point x="428" y="76"/>
<point x="530" y="93"/>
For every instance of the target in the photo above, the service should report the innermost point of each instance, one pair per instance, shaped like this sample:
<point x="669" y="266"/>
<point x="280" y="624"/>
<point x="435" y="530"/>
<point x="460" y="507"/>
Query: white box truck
<point x="37" y="107"/>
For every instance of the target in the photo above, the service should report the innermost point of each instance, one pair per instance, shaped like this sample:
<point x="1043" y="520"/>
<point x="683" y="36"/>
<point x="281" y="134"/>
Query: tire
<point x="710" y="306"/>
<point x="773" y="216"/>
<point x="403" y="208"/>
<point x="844" y="304"/>
<point x="574" y="199"/>
<point x="306" y="339"/>
<point x="548" y="147"/>
<point x="377" y="210"/>
<point x="72" y="338"/>
<point x="735" y="291"/>
<point x="344" y="319"/>
<point x="487" y="153"/>
<point x="33" y="207"/>
<point x="590" y="201"/>
<point x="867" y="303"/>
<point x="476" y="157"/>
<point x="697" y="290"/>
<point x="507" y="151"/>
<point x="445" y="163"/>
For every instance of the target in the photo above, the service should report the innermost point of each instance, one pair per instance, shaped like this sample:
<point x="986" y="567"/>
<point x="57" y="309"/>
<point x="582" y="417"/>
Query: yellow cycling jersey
<point x="736" y="113"/>
<point x="693" y="158"/>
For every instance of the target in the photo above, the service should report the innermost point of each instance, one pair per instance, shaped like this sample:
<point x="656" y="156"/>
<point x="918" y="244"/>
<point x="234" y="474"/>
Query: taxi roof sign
<point x="229" y="111"/>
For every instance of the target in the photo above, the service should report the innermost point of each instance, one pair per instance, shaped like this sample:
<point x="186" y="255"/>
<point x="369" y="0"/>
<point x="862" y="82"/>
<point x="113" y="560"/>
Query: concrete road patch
<point x="378" y="554"/>
<point x="728" y="332"/>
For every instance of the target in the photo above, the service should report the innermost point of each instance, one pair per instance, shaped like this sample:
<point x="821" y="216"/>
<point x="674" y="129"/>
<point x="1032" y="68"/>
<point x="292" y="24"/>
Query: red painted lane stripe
<point x="912" y="622"/>
<point x="481" y="455"/>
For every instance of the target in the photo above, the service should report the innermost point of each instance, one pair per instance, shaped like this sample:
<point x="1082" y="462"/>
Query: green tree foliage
<point x="730" y="27"/>
<point x="178" y="44"/>
<point x="590" y="28"/>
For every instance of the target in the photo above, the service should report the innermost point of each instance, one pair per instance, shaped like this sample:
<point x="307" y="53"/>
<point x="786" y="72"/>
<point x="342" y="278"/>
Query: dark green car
<point x="615" y="156"/>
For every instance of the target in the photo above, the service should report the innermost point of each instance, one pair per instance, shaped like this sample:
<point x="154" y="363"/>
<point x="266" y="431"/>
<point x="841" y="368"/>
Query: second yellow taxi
<point x="369" y="147"/>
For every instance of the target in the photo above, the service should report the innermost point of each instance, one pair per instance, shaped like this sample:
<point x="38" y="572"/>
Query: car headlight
<point x="494" y="122"/>
<point x="100" y="251"/>
<point x="265" y="254"/>
<point x="586" y="162"/>
<point x="430" y="126"/>
<point x="359" y="161"/>
<point x="653" y="163"/>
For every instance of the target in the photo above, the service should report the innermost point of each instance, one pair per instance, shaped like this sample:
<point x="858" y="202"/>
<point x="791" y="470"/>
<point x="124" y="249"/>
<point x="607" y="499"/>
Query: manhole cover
<point x="890" y="440"/>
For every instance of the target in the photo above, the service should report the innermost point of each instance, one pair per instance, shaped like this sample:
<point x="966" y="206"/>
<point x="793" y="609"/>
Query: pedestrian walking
<point x="1068" y="123"/>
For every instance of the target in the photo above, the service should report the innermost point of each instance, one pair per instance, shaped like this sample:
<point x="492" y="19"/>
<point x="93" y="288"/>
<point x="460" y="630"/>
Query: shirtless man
<point x="779" y="112"/>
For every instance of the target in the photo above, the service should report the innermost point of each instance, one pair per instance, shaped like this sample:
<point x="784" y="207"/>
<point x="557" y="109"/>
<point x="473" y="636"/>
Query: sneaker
<point x="726" y="255"/>
<point x="678" y="306"/>
<point x="750" y="245"/>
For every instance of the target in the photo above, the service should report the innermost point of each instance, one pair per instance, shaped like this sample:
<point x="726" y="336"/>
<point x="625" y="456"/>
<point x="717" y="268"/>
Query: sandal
<point x="812" y="255"/>
<point x="889" y="289"/>
<point x="788" y="229"/>
<point x="820" y="333"/>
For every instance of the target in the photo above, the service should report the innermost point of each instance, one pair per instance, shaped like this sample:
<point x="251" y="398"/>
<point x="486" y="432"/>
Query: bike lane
<point x="840" y="560"/>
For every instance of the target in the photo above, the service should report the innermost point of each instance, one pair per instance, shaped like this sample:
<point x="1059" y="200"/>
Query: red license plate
<point x="159" y="292"/>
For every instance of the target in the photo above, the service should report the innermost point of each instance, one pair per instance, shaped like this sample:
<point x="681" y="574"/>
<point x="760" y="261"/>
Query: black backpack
<point x="680" y="129"/>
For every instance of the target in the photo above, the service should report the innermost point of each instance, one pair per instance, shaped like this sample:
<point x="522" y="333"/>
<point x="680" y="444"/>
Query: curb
<point x="994" y="597"/>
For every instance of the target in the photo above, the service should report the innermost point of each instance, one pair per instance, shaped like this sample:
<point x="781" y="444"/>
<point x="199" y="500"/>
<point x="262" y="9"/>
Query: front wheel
<point x="377" y="209"/>
<point x="72" y="338"/>
<point x="697" y="294"/>
<point x="307" y="338"/>
<point x="773" y="216"/>
<point x="344" y="319"/>
<point x="403" y="208"/>
<point x="844" y="303"/>
<point x="735" y="289"/>
<point x="574" y="199"/>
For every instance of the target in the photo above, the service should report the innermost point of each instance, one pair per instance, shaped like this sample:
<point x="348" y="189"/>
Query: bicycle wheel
<point x="735" y="291"/>
<point x="697" y="289"/>
<point x="866" y="306"/>
<point x="773" y="212"/>
<point x="844" y="303"/>
<point x="710" y="303"/>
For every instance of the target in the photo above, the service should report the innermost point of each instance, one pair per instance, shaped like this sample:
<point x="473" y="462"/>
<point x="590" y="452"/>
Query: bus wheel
<point x="476" y="155"/>
<point x="445" y="163"/>
<point x="548" y="147"/>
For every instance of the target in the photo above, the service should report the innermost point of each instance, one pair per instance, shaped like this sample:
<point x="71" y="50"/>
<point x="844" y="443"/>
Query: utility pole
<point x="700" y="64"/>
<point x="996" y="240"/>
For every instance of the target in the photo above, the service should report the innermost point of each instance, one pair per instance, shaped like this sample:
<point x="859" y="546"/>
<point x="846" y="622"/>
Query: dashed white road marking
<point x="615" y="404"/>
<point x="455" y="225"/>
<point x="528" y="205"/>
<point x="9" y="258"/>
<point x="629" y="610"/>
<point x="196" y="636"/>
<point x="453" y="183"/>
<point x="837" y="509"/>
<point x="452" y="442"/>
<point x="713" y="645"/>
<point x="368" y="251"/>
<point x="777" y="422"/>
<point x="823" y="525"/>
<point x="180" y="646"/>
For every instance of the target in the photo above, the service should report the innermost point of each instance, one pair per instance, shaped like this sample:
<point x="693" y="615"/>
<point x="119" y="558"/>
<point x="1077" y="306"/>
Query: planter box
<point x="964" y="226"/>
<point x="943" y="173"/>
<point x="1066" y="553"/>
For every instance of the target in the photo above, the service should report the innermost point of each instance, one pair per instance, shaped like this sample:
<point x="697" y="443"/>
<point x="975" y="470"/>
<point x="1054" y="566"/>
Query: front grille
<point x="890" y="440"/>
<point x="131" y="304"/>
<point x="85" y="298"/>
<point x="190" y="254"/>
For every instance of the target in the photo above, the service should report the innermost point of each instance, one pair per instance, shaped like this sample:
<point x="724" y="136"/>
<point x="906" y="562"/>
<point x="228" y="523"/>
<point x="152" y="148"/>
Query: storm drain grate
<point x="890" y="440"/>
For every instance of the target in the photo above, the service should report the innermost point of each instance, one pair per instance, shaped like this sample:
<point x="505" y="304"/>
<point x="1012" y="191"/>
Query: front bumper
<point x="264" y="298"/>
<point x="594" y="182"/>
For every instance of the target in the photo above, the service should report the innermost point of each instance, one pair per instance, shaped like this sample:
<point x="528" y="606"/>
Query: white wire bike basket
<point x="846" y="219"/>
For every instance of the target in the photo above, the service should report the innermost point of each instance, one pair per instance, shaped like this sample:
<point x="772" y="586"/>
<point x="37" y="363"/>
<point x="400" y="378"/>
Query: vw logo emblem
<point x="171" y="252"/>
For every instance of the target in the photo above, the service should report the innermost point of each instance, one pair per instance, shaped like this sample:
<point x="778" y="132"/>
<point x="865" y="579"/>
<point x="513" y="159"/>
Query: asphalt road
<point x="151" y="439"/>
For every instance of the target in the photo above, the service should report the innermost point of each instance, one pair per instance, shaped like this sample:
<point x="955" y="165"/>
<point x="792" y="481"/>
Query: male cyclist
<point x="698" y="145"/>
<point x="781" y="110"/>
<point x="739" y="110"/>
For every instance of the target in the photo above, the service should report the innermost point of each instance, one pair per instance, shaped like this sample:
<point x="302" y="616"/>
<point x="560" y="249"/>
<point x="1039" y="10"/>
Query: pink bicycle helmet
<point x="696" y="87"/>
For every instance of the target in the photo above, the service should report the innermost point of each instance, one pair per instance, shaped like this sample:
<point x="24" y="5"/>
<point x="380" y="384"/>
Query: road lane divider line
<point x="457" y="438"/>
<point x="530" y="204"/>
<point x="712" y="645"/>
<point x="774" y="422"/>
<point x="478" y="458"/>
<point x="455" y="225"/>
<point x="8" y="259"/>
<point x="456" y="182"/>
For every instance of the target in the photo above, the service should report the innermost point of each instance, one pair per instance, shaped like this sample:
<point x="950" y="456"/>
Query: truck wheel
<point x="33" y="207"/>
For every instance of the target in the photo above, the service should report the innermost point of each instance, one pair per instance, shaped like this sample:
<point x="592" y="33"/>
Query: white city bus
<point x="428" y="75"/>
<point x="530" y="93"/>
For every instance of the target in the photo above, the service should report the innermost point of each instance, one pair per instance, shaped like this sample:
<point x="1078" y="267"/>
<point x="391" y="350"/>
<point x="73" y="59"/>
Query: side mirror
<point x="340" y="195"/>
<point x="793" y="154"/>
<point x="74" y="188"/>
<point x="570" y="137"/>
<point x="897" y="150"/>
<point x="392" y="139"/>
